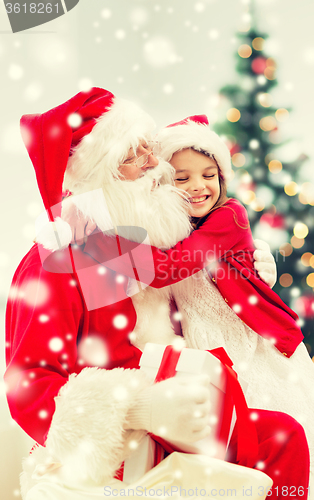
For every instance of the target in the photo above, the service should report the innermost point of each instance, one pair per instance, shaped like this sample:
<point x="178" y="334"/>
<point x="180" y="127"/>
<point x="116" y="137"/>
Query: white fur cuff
<point x="87" y="443"/>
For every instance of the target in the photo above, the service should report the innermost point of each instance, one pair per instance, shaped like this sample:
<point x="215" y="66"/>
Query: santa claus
<point x="74" y="326"/>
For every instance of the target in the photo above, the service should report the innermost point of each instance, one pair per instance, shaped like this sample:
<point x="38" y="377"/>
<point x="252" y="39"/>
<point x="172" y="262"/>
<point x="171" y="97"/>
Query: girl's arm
<point x="224" y="229"/>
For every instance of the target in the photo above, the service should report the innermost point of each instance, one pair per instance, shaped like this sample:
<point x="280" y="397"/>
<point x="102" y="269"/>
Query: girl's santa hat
<point x="83" y="141"/>
<point x="194" y="132"/>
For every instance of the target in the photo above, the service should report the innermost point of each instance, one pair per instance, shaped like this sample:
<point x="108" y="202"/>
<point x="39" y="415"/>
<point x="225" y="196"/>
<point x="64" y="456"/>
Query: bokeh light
<point x="245" y="51"/>
<point x="300" y="230"/>
<point x="286" y="249"/>
<point x="265" y="99"/>
<point x="233" y="115"/>
<point x="238" y="160"/>
<point x="282" y="114"/>
<point x="258" y="43"/>
<point x="297" y="242"/>
<point x="268" y="123"/>
<point x="286" y="280"/>
<point x="248" y="196"/>
<point x="305" y="259"/>
<point x="310" y="279"/>
<point x="275" y="166"/>
<point x="291" y="188"/>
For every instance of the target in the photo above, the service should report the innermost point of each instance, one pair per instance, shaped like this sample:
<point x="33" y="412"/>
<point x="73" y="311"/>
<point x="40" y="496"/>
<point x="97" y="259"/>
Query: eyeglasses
<point x="141" y="161"/>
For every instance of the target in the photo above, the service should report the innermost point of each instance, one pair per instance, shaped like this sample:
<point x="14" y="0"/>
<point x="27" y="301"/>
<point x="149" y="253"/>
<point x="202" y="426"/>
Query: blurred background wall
<point x="170" y="56"/>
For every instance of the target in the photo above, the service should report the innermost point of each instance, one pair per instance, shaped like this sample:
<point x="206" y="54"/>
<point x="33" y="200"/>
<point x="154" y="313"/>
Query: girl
<point x="228" y="305"/>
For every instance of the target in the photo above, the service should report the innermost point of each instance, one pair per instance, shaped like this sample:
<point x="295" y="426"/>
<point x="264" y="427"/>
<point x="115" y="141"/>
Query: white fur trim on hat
<point x="95" y="161"/>
<point x="199" y="137"/>
<point x="54" y="235"/>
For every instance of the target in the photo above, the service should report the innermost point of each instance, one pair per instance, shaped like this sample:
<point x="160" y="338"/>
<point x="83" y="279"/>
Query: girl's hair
<point x="222" y="199"/>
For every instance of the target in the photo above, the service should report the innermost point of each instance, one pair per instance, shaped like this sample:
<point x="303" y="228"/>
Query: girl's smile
<point x="198" y="175"/>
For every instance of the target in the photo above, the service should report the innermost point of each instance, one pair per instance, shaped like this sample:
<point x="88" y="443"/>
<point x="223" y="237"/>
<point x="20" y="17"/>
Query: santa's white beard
<point x="154" y="204"/>
<point x="149" y="202"/>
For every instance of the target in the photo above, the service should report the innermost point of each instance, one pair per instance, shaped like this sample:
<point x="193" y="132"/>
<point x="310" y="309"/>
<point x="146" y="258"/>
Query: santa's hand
<point x="81" y="226"/>
<point x="265" y="263"/>
<point x="176" y="409"/>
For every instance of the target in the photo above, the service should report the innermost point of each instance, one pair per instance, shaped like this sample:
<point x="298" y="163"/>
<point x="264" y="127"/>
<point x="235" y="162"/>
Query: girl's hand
<point x="265" y="263"/>
<point x="81" y="225"/>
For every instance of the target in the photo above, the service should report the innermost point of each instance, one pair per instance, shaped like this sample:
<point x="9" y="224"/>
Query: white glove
<point x="81" y="225"/>
<point x="176" y="409"/>
<point x="265" y="263"/>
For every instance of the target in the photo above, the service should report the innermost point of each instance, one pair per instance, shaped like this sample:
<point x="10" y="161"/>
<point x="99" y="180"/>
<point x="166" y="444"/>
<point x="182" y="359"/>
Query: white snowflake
<point x="4" y="259"/>
<point x="178" y="344"/>
<point x="120" y="321"/>
<point x="106" y="13"/>
<point x="36" y="293"/>
<point x="254" y="144"/>
<point x="33" y="91"/>
<point x="43" y="318"/>
<point x="162" y="431"/>
<point x="178" y="474"/>
<point x="139" y="16"/>
<point x="133" y="444"/>
<point x="16" y="72"/>
<point x="120" y="393"/>
<point x="120" y="34"/>
<point x="177" y="316"/>
<point x="56" y="344"/>
<point x="43" y="414"/>
<point x="237" y="308"/>
<point x="213" y="420"/>
<point x="85" y="84"/>
<point x="199" y="7"/>
<point x="253" y="299"/>
<point x="168" y="88"/>
<point x="308" y="56"/>
<point x="74" y="120"/>
<point x="159" y="52"/>
<point x="213" y="34"/>
<point x="93" y="351"/>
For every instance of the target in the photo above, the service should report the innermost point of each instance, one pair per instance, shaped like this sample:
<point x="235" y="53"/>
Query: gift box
<point x="192" y="362"/>
<point x="160" y="362"/>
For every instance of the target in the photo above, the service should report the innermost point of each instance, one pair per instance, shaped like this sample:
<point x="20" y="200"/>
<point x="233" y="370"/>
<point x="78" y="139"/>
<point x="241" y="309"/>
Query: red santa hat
<point x="82" y="133"/>
<point x="194" y="132"/>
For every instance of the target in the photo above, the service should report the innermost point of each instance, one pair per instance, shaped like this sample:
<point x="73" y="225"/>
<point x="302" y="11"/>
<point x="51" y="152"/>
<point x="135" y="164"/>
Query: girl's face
<point x="197" y="174"/>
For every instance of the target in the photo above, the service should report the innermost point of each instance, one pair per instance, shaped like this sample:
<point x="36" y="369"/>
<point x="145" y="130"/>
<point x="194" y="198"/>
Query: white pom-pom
<point x="55" y="235"/>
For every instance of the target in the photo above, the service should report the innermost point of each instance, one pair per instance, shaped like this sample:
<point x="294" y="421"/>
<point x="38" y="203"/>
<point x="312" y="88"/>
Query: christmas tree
<point x="280" y="205"/>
